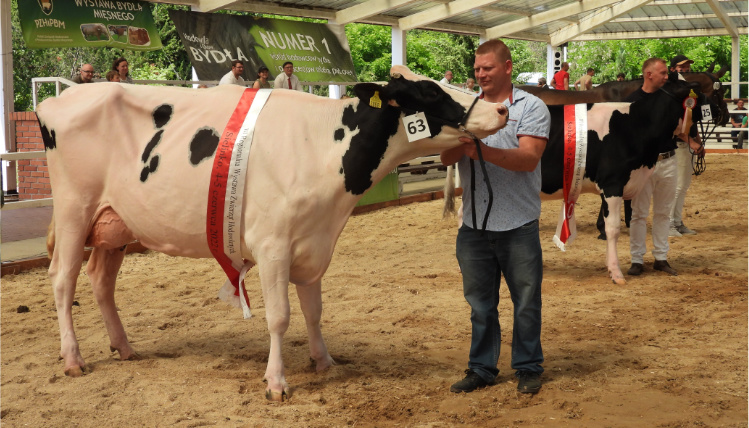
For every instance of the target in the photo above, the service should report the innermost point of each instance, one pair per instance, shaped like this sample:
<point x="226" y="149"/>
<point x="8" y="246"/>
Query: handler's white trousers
<point x="683" y="180"/>
<point x="661" y="188"/>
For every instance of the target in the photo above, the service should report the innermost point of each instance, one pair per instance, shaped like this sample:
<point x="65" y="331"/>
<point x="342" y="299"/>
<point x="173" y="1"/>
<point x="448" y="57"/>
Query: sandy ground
<point x="661" y="351"/>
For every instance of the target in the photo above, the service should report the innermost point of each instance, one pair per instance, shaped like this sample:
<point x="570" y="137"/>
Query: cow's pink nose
<point x="501" y="109"/>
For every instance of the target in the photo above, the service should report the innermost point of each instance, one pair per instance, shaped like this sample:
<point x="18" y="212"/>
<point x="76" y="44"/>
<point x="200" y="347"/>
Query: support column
<point x="735" y="66"/>
<point x="549" y="62"/>
<point x="398" y="46"/>
<point x="8" y="143"/>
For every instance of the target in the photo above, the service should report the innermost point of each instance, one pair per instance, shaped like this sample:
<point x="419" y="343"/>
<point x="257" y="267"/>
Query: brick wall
<point x="33" y="177"/>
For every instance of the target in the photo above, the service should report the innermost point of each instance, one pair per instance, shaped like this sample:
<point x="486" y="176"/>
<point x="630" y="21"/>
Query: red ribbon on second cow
<point x="575" y="150"/>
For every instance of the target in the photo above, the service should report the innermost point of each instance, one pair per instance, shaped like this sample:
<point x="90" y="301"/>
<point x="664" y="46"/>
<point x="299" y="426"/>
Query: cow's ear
<point x="371" y="94"/>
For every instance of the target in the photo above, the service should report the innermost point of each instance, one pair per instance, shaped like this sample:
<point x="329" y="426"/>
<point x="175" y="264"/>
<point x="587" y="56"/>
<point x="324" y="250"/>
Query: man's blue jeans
<point x="483" y="259"/>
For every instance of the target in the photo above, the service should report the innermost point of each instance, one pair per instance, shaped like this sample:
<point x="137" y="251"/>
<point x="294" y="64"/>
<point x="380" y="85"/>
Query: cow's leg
<point x="102" y="269"/>
<point x="274" y="278"/>
<point x="613" y="220"/>
<point x="310" y="299"/>
<point x="67" y="258"/>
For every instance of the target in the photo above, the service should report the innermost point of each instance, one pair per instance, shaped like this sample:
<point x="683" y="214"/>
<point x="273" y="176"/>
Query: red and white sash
<point x="575" y="150"/>
<point x="225" y="192"/>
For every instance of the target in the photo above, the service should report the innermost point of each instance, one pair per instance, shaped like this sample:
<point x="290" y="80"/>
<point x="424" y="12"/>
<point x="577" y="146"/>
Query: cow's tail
<point x="449" y="208"/>
<point x="51" y="237"/>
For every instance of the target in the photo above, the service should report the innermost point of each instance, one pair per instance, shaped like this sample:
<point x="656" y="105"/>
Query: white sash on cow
<point x="575" y="150"/>
<point x="232" y="215"/>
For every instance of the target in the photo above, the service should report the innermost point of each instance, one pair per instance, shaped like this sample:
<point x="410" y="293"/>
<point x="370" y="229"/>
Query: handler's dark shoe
<point x="528" y="382"/>
<point x="471" y="382"/>
<point x="635" y="270"/>
<point x="662" y="265"/>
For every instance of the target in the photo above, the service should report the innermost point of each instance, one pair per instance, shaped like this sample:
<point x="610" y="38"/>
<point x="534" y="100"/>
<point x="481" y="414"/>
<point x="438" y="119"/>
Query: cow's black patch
<point x="155" y="140"/>
<point x="339" y="134"/>
<point x="48" y="137"/>
<point x="377" y="125"/>
<point x="150" y="168"/>
<point x="161" y="115"/>
<point x="203" y="144"/>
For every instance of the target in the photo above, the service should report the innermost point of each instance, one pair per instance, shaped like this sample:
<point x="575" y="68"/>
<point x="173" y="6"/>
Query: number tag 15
<point x="416" y="127"/>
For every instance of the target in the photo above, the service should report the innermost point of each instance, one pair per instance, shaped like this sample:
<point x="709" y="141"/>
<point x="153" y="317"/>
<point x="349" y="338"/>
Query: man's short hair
<point x="235" y="62"/>
<point x="565" y="64"/>
<point x="621" y="75"/>
<point x="651" y="62"/>
<point x="497" y="47"/>
<point x="589" y="70"/>
<point x="288" y="63"/>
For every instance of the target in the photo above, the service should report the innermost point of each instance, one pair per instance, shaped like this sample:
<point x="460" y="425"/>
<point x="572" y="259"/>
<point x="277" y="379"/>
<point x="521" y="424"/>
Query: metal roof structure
<point x="551" y="21"/>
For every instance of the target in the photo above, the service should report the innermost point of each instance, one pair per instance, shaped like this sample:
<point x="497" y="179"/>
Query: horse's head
<point x="713" y="91"/>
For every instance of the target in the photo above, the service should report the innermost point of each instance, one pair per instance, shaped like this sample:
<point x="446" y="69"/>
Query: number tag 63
<point x="416" y="127"/>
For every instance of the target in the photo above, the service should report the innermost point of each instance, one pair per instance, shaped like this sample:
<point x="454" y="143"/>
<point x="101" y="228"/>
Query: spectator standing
<point x="585" y="83"/>
<point x="233" y="76"/>
<point x="262" y="78"/>
<point x="510" y="246"/>
<point x="660" y="187"/>
<point x="561" y="79"/>
<point x="620" y="77"/>
<point x="113" y="76"/>
<point x="122" y="68"/>
<point x="448" y="79"/>
<point x="736" y="119"/>
<point x="685" y="164"/>
<point x="287" y="79"/>
<point x="86" y="75"/>
<point x="542" y="83"/>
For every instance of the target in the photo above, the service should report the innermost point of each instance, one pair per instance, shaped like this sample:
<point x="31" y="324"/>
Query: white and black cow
<point x="623" y="141"/>
<point x="134" y="162"/>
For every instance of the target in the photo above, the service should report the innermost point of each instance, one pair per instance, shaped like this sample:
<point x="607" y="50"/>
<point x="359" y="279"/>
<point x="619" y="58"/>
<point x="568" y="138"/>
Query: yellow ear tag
<point x="375" y="101"/>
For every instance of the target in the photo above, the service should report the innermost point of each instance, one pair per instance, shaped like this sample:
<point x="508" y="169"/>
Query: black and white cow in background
<point x="622" y="150"/>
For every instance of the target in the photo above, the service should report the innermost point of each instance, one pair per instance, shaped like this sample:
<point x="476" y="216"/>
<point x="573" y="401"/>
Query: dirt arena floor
<point x="660" y="351"/>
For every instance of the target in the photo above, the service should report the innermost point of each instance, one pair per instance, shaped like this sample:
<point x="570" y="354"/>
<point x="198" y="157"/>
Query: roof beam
<point x="724" y="18"/>
<point x="670" y="18"/>
<point x="440" y="12"/>
<point x="672" y="34"/>
<point x="208" y="6"/>
<point x="367" y="9"/>
<point x="594" y="20"/>
<point x="546" y="17"/>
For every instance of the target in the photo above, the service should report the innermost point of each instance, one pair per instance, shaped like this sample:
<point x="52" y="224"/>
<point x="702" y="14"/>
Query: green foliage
<point x="370" y="51"/>
<point x="611" y="57"/>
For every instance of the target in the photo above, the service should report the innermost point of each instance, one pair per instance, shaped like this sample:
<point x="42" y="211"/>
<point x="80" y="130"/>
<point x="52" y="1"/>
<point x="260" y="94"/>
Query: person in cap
<point x="685" y="168"/>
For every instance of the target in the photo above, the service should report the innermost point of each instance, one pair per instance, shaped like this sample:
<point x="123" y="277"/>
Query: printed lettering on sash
<point x="416" y="127"/>
<point x="706" y="113"/>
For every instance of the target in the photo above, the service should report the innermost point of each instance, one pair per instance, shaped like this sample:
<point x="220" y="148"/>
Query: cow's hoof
<point x="129" y="355"/>
<point x="279" y="396"/>
<point x="619" y="281"/>
<point x="77" y="371"/>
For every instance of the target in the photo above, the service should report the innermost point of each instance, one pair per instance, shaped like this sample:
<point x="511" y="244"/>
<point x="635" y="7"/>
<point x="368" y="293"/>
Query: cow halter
<point x="460" y="126"/>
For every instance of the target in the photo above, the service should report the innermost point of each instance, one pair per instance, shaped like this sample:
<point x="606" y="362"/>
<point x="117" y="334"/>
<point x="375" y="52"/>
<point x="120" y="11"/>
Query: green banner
<point x="126" y="24"/>
<point x="320" y="52"/>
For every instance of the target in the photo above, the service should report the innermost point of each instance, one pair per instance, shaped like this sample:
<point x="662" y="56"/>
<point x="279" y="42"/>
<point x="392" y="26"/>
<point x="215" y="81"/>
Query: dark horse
<point x="710" y="85"/>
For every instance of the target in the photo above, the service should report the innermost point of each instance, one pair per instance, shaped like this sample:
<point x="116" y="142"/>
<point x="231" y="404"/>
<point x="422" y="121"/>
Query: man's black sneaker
<point x="528" y="382"/>
<point x="471" y="382"/>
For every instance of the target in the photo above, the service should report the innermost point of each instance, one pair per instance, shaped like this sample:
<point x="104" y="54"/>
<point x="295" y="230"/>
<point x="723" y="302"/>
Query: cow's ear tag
<point x="375" y="101"/>
<point x="416" y="127"/>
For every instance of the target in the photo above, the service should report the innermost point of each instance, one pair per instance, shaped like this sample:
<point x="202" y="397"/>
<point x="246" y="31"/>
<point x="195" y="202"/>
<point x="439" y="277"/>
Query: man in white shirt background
<point x="234" y="76"/>
<point x="287" y="79"/>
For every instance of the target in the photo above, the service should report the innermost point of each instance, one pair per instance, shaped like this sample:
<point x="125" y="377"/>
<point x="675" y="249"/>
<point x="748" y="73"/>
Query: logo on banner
<point x="45" y="5"/>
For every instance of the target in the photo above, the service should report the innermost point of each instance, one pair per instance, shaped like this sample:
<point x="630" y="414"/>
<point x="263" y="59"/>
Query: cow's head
<point x="379" y="138"/>
<point x="446" y="108"/>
